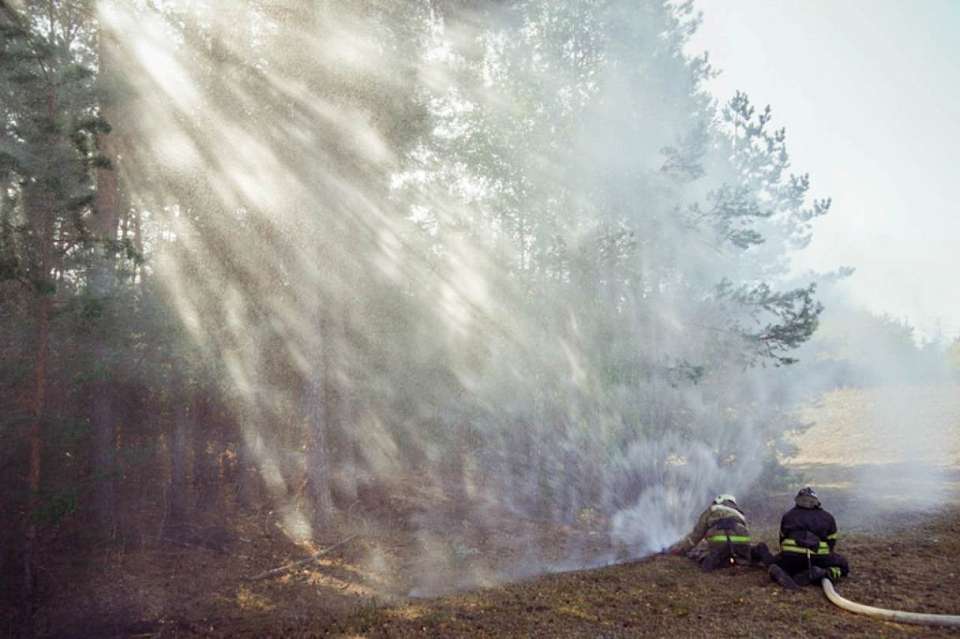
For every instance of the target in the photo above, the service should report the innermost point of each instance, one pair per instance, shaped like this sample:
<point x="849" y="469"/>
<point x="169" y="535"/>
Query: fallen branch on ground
<point x="296" y="564"/>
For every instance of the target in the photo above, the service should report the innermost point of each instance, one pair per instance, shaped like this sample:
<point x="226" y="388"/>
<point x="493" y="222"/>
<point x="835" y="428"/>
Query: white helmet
<point x="720" y="499"/>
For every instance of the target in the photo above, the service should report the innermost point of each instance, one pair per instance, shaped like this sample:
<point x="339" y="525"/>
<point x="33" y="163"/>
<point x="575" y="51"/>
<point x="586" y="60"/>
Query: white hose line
<point x="899" y="616"/>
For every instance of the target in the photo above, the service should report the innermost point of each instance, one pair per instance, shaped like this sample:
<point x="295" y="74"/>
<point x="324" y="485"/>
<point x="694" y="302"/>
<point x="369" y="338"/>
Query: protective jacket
<point x="721" y="525"/>
<point x="807" y="529"/>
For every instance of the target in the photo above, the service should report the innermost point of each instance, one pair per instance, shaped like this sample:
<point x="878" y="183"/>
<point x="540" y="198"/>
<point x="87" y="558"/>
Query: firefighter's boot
<point x="780" y="576"/>
<point x="761" y="554"/>
<point x="812" y="575"/>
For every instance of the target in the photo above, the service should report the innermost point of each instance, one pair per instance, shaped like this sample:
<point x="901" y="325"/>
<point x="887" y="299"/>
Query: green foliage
<point x="641" y="235"/>
<point x="43" y="286"/>
<point x="796" y="310"/>
<point x="47" y="118"/>
<point x="559" y="252"/>
<point x="54" y="507"/>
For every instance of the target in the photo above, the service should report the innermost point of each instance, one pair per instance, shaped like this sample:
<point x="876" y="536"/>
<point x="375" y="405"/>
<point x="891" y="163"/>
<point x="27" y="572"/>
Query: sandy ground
<point x="883" y="450"/>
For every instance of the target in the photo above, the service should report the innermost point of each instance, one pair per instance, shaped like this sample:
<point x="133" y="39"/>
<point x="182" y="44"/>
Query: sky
<point x="869" y="92"/>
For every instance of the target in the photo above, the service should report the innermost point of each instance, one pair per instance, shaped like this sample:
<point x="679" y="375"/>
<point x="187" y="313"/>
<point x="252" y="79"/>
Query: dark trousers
<point x="797" y="565"/>
<point x="723" y="555"/>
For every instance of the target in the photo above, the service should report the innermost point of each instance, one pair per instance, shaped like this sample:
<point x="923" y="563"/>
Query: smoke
<point x="466" y="263"/>
<point x="882" y="413"/>
<point x="883" y="450"/>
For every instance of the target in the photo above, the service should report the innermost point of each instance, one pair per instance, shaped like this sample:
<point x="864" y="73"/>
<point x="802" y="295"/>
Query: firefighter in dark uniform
<point x="808" y="535"/>
<point x="724" y="528"/>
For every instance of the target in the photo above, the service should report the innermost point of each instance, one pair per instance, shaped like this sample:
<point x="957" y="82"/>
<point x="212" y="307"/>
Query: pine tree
<point x="47" y="160"/>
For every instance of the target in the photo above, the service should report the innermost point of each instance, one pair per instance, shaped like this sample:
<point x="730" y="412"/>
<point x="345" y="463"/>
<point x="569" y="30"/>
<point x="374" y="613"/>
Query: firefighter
<point x="808" y="535"/>
<point x="724" y="528"/>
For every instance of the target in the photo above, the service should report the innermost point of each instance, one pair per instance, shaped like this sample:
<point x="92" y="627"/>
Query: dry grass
<point x="901" y="557"/>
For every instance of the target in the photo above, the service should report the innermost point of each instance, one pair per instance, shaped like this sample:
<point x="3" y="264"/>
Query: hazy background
<point x="870" y="95"/>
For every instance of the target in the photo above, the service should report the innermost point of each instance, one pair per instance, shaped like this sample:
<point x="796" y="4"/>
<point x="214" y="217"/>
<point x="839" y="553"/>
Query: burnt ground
<point x="668" y="596"/>
<point x="903" y="552"/>
<point x="197" y="592"/>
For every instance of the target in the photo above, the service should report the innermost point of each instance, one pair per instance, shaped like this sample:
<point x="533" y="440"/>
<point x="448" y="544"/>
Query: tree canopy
<point x="299" y="254"/>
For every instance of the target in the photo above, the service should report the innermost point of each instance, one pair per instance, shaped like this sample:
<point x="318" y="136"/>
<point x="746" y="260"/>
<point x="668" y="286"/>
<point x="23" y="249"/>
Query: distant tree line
<point x="855" y="347"/>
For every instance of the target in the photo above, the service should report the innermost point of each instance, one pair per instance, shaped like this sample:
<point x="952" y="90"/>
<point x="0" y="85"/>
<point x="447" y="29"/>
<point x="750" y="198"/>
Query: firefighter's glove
<point x="833" y="573"/>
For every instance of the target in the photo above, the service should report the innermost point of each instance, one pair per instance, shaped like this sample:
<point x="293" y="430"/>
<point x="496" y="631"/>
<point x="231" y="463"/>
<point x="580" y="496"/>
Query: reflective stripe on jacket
<point x="808" y="529"/>
<point x="734" y="539"/>
<point x="790" y="545"/>
<point x="714" y="525"/>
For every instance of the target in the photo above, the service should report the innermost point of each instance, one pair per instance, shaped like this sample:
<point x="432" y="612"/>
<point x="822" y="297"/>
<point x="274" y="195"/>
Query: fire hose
<point x="898" y="616"/>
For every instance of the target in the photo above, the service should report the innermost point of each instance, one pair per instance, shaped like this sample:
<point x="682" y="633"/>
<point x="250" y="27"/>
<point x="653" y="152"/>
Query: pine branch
<point x="17" y="21"/>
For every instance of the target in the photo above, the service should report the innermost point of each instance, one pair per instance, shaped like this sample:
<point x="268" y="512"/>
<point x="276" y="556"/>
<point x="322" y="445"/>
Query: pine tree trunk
<point x="102" y="285"/>
<point x="248" y="477"/>
<point x="177" y="494"/>
<point x="320" y="413"/>
<point x="341" y="403"/>
<point x="206" y="447"/>
<point x="39" y="201"/>
<point x="38" y="407"/>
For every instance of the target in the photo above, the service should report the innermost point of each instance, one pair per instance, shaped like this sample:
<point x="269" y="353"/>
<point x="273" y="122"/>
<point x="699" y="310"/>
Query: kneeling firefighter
<point x="808" y="535"/>
<point x="724" y="527"/>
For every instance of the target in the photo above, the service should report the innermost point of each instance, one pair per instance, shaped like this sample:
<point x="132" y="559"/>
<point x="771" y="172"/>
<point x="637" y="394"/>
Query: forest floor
<point x="894" y="493"/>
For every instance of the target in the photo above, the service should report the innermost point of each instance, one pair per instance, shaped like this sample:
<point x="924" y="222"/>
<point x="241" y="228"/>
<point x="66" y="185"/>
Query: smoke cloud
<point x="493" y="265"/>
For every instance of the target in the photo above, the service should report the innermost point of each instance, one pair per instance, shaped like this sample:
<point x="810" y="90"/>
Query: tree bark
<point x="39" y="202"/>
<point x="179" y="445"/>
<point x="42" y="215"/>
<point x="207" y="444"/>
<point x="341" y="411"/>
<point x="320" y="414"/>
<point x="102" y="284"/>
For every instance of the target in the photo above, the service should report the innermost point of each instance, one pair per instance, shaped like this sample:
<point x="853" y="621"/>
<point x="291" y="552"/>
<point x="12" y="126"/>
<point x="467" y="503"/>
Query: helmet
<point x="720" y="499"/>
<point x="807" y="498"/>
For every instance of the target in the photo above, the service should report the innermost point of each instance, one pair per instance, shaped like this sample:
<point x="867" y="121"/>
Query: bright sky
<point x="869" y="91"/>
